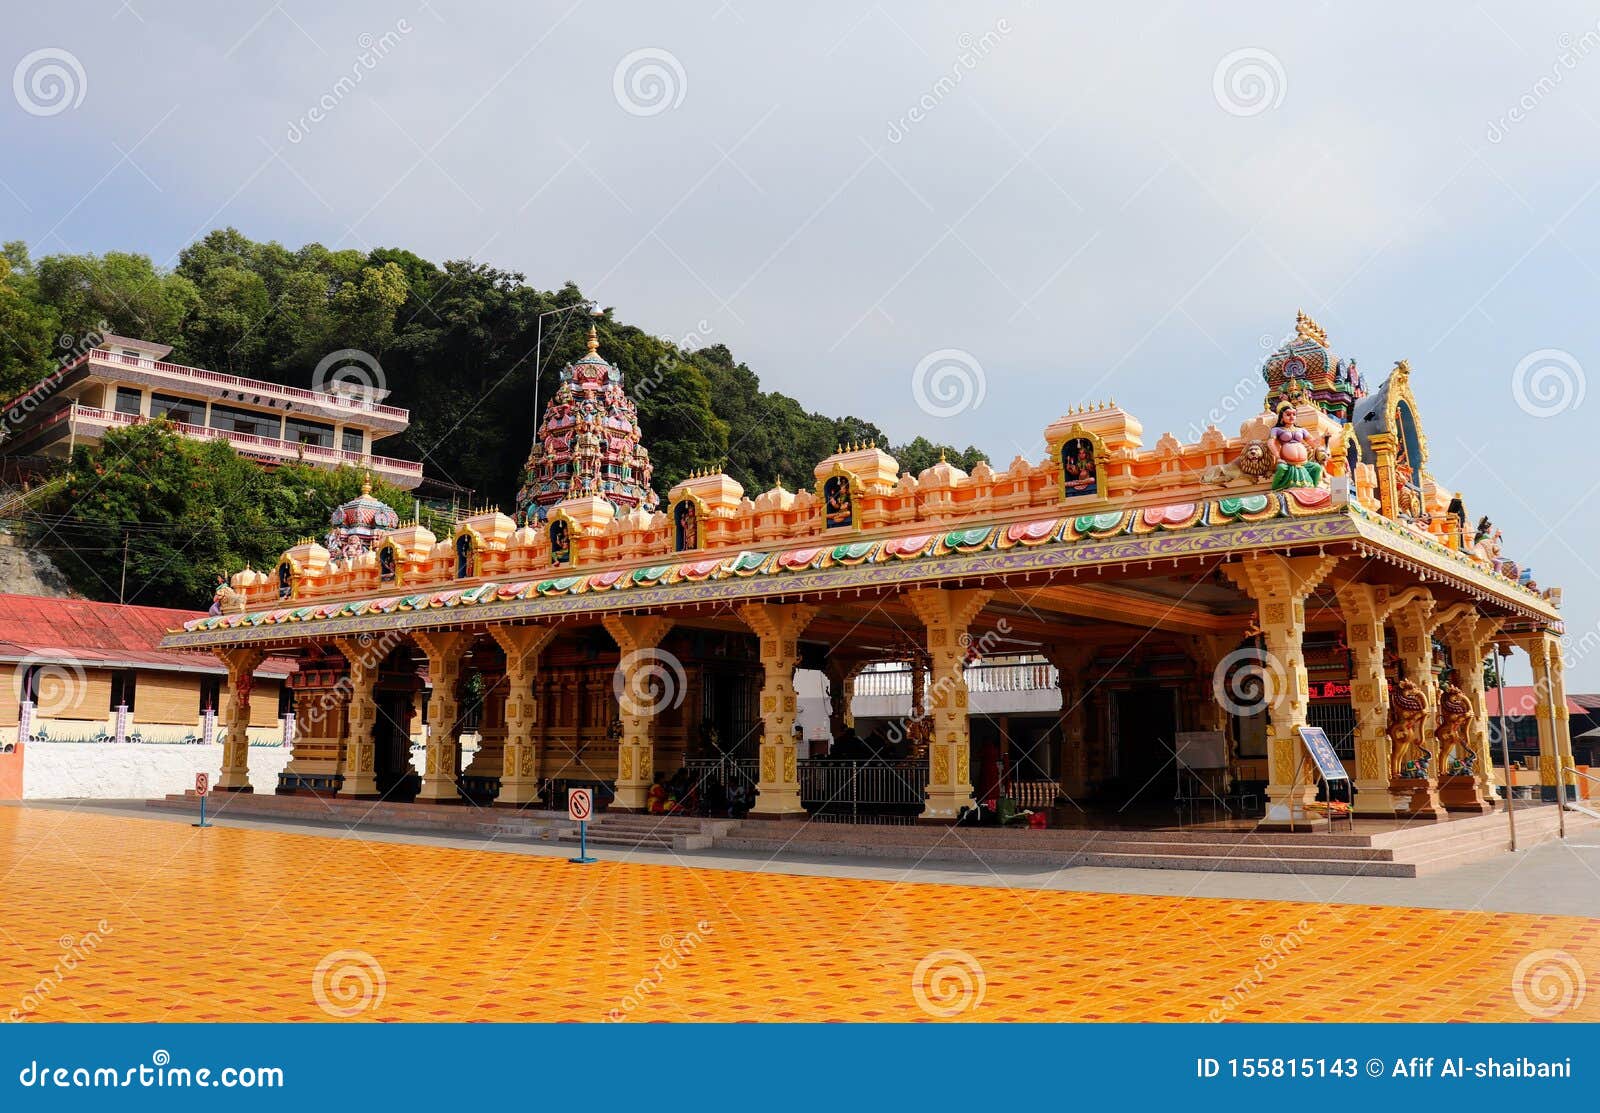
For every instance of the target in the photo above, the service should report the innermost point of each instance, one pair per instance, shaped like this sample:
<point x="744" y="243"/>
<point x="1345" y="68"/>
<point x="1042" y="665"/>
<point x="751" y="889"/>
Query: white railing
<point x="274" y="446"/>
<point x="254" y="386"/>
<point x="1019" y="676"/>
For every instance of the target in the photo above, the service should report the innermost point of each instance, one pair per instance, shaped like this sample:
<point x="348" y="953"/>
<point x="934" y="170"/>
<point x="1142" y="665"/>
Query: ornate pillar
<point x="946" y="614"/>
<point x="1469" y="636"/>
<point x="1280" y="585"/>
<point x="842" y="669"/>
<point x="1414" y="622"/>
<point x="1561" y="714"/>
<point x="641" y="691"/>
<point x="1071" y="661"/>
<point x="1366" y="610"/>
<point x="779" y="627"/>
<point x="361" y="719"/>
<point x="1544" y="651"/>
<point x="519" y="776"/>
<point x="241" y="665"/>
<point x="444" y="651"/>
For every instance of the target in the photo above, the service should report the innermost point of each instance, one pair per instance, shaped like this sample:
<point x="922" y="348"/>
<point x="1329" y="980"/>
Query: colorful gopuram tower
<point x="1306" y="368"/>
<point x="587" y="444"/>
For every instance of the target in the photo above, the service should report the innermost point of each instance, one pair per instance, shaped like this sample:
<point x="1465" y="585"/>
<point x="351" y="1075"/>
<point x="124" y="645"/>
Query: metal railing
<point x="729" y="771"/>
<point x="254" y="386"/>
<point x="862" y="788"/>
<point x="1033" y="795"/>
<point x="1005" y="676"/>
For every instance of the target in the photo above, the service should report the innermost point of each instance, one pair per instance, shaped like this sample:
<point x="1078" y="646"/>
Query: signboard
<point x="1321" y="751"/>
<point x="580" y="804"/>
<point x="208" y="728"/>
<point x="1202" y="749"/>
<point x="122" y="722"/>
<point x="25" y="721"/>
<point x="202" y="783"/>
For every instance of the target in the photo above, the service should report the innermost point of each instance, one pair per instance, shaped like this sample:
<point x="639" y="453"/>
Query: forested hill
<point x="455" y="343"/>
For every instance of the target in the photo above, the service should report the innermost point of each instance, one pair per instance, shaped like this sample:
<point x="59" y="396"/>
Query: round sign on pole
<point x="202" y="783"/>
<point x="580" y="804"/>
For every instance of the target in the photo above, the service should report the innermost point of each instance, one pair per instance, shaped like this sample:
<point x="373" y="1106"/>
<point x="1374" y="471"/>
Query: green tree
<point x="118" y="292"/>
<point x="28" y="326"/>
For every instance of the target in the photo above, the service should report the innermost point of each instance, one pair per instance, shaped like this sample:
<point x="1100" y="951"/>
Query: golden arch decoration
<point x="839" y="492"/>
<point x="561" y="533"/>
<point x="390" y="566"/>
<point x="694" y="536"/>
<point x="467" y="548"/>
<point x="286" y="577"/>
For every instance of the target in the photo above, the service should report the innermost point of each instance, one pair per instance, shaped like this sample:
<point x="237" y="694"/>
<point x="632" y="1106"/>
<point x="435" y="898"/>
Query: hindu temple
<point x="601" y="636"/>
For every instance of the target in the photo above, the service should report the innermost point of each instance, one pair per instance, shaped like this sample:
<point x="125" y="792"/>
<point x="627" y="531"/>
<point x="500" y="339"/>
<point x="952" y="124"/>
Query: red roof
<point x="1520" y="701"/>
<point x="103" y="634"/>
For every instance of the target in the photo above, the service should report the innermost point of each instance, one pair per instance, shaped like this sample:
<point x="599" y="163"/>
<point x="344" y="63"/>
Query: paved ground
<point x="116" y="917"/>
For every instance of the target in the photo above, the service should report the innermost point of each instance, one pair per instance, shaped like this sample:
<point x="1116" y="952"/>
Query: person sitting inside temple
<point x="656" y="799"/>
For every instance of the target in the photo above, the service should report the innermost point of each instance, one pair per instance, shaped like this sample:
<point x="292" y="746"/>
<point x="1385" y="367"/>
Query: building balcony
<point x="87" y="424"/>
<point x="100" y="365"/>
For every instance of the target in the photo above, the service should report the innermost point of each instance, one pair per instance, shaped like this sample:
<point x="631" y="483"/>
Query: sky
<point x="957" y="222"/>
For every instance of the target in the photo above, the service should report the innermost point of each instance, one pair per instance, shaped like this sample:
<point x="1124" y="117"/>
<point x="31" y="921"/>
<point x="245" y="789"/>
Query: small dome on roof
<point x="359" y="522"/>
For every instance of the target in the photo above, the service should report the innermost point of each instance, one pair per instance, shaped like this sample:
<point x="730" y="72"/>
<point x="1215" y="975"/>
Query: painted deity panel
<point x="1079" y="471"/>
<point x="463" y="556"/>
<point x="560" y="542"/>
<point x="685" y="526"/>
<point x="839" y="502"/>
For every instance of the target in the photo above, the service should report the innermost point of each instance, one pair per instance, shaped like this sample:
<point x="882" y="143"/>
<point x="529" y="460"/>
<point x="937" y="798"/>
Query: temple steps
<point x="441" y="819"/>
<point x="655" y="832"/>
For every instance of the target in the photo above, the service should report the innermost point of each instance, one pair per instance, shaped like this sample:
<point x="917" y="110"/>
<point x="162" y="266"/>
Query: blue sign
<point x="1321" y="750"/>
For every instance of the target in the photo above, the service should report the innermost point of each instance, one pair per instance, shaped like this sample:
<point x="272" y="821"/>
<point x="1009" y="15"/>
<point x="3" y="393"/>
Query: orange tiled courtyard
<point x="233" y="924"/>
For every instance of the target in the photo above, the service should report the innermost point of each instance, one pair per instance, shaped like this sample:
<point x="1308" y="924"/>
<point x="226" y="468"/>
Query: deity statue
<point x="1456" y="754"/>
<point x="1408" y="708"/>
<point x="1293" y="446"/>
<point x="225" y="600"/>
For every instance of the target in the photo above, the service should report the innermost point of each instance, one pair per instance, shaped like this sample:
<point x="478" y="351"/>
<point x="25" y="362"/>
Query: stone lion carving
<point x="225" y="600"/>
<point x="1454" y="730"/>
<point x="1254" y="464"/>
<point x="1408" y="708"/>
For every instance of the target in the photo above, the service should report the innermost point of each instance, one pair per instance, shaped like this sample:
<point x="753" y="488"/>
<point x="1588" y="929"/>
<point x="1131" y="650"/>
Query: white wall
<point x="108" y="771"/>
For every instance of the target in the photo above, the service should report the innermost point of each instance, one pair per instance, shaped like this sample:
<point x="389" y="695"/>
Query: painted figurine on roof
<point x="587" y="444"/>
<point x="1293" y="446"/>
<point x="1307" y="365"/>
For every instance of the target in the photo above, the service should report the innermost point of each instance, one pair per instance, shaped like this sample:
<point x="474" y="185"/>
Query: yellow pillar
<point x="1279" y="585"/>
<point x="1560" y="712"/>
<point x="1071" y="661"/>
<point x="241" y="665"/>
<point x="444" y="651"/>
<point x="1366" y="609"/>
<point x="779" y="627"/>
<point x="842" y="669"/>
<point x="361" y="720"/>
<point x="1544" y="651"/>
<point x="519" y="777"/>
<point x="646" y="681"/>
<point x="946" y="614"/>
<point x="1469" y="636"/>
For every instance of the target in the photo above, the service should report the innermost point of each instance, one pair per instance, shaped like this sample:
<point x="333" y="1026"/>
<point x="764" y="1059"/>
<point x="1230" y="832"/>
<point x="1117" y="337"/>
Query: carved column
<point x="1414" y="622"/>
<point x="1279" y="585"/>
<point x="1366" y="610"/>
<point x="1561" y="714"/>
<point x="1470" y="636"/>
<point x="946" y="614"/>
<point x="519" y="776"/>
<point x="1544" y="651"/>
<point x="779" y="627"/>
<point x="842" y="669"/>
<point x="647" y="680"/>
<point x="442" y="765"/>
<point x="241" y="665"/>
<point x="361" y="719"/>
<point x="1071" y="661"/>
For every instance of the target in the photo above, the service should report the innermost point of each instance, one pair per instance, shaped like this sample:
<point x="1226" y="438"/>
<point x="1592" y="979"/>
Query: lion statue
<point x="1408" y="708"/>
<point x="1454" y="729"/>
<point x="1254" y="464"/>
<point x="225" y="600"/>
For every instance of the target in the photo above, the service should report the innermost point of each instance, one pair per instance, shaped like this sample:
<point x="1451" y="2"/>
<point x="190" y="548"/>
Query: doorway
<point x="1144" y="730"/>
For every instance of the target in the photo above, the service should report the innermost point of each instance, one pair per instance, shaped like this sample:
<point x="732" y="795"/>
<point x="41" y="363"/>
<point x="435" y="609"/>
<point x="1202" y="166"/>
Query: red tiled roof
<point x="103" y="634"/>
<point x="1520" y="701"/>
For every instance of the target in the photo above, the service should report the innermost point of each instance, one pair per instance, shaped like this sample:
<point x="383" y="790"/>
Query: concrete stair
<point x="1409" y="852"/>
<point x="650" y="832"/>
<point x="462" y="820"/>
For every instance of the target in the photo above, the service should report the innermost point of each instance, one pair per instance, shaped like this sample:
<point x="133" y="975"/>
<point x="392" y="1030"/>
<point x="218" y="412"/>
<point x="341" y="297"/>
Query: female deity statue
<point x="1292" y="446"/>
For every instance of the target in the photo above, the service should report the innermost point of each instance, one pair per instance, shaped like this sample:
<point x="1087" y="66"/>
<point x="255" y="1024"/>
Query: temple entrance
<point x="1144" y="727"/>
<point x="397" y="778"/>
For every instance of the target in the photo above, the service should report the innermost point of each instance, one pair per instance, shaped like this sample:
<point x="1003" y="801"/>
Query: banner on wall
<point x="122" y="722"/>
<point x="208" y="727"/>
<point x="25" y="721"/>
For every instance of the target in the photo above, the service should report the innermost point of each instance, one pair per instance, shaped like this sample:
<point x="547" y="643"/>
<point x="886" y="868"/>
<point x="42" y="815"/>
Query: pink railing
<point x="275" y="445"/>
<point x="255" y="386"/>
